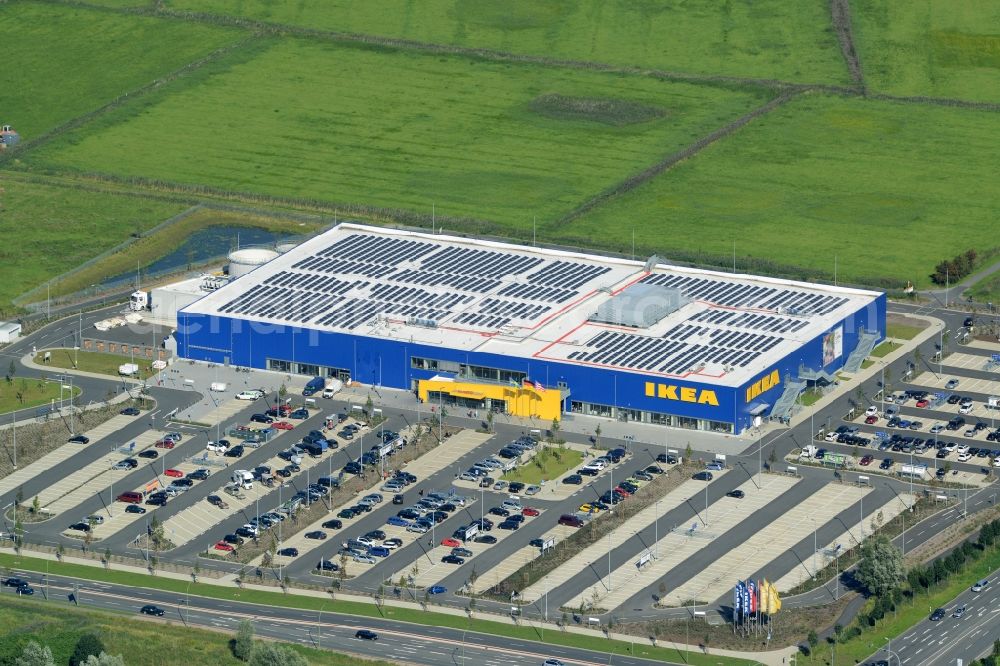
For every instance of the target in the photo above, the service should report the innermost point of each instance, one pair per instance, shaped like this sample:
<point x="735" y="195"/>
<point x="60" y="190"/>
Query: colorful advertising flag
<point x="737" y="598"/>
<point x="746" y="599"/>
<point x="753" y="596"/>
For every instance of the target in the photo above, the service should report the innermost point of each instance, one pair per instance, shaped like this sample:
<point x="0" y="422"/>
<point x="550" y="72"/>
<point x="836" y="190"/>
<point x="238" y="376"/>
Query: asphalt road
<point x="398" y="641"/>
<point x="969" y="637"/>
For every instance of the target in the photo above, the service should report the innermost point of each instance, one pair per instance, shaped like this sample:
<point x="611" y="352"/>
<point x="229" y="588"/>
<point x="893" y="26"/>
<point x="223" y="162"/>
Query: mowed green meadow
<point x="471" y="138"/>
<point x="50" y="229"/>
<point x="887" y="190"/>
<point x="935" y="48"/>
<point x="766" y="39"/>
<point x="60" y="61"/>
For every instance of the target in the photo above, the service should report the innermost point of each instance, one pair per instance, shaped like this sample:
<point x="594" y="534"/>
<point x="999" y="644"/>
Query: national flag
<point x="532" y="384"/>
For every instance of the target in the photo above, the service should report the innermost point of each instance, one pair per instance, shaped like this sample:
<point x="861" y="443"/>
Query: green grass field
<point x="141" y="642"/>
<point x="987" y="291"/>
<point x="473" y="139"/>
<point x="935" y="48"/>
<point x="89" y="58"/>
<point x="888" y="189"/>
<point x="100" y="362"/>
<point x="550" y="463"/>
<point x="22" y="393"/>
<point x="767" y="39"/>
<point x="53" y="229"/>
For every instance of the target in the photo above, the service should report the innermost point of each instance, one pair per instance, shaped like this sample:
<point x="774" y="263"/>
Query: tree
<point x="35" y="655"/>
<point x="107" y="558"/>
<point x="812" y="639"/>
<point x="688" y="452"/>
<point x="489" y="420"/>
<point x="555" y="429"/>
<point x="36" y="505"/>
<point x="104" y="659"/>
<point x="243" y="644"/>
<point x="368" y="407"/>
<point x="881" y="566"/>
<point x="12" y="370"/>
<point x="89" y="644"/>
<point x="597" y="434"/>
<point x="275" y="654"/>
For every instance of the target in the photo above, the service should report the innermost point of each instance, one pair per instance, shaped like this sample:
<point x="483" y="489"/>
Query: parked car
<point x="702" y="476"/>
<point x="316" y="534"/>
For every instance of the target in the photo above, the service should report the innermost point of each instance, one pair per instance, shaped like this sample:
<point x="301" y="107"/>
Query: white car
<point x="962" y="448"/>
<point x="871" y="411"/>
<point x="965" y="409"/>
<point x="831" y="436"/>
<point x="250" y="395"/>
<point x="963" y="457"/>
<point x="417" y="527"/>
<point x="218" y="447"/>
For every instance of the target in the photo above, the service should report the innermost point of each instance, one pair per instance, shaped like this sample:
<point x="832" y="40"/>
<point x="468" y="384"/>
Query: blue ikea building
<point x="536" y="332"/>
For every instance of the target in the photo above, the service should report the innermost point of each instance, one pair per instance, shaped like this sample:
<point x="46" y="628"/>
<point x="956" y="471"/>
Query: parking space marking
<point x="597" y="552"/>
<point x="93" y="478"/>
<point x="64" y="452"/>
<point x="518" y="559"/>
<point x="768" y="542"/>
<point x="847" y="540"/>
<point x="423" y="467"/>
<point x="676" y="546"/>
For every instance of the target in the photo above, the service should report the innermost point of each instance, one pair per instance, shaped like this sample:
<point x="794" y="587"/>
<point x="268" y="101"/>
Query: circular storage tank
<point x="285" y="247"/>
<point x="243" y="261"/>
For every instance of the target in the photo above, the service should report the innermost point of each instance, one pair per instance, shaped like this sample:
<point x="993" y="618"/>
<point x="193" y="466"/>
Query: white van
<point x="218" y="387"/>
<point x="250" y="395"/>
<point x="243" y="478"/>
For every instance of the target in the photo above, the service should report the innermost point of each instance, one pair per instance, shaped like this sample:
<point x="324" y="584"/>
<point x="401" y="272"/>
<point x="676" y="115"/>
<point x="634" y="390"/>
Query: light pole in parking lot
<point x="815" y="547"/>
<point x="941" y="348"/>
<point x="656" y="531"/>
<point x="888" y="649"/>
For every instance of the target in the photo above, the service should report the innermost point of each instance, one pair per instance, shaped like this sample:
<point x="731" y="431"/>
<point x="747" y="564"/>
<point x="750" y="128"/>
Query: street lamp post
<point x="656" y="531"/>
<point x="815" y="548"/>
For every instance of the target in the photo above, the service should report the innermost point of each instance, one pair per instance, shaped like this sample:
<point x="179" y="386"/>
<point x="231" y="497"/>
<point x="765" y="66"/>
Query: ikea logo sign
<point x="765" y="383"/>
<point x="682" y="393"/>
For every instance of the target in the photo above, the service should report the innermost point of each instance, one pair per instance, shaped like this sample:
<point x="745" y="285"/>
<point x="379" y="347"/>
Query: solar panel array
<point x="362" y="276"/>
<point x="677" y="351"/>
<point x="749" y="296"/>
<point x="748" y="321"/>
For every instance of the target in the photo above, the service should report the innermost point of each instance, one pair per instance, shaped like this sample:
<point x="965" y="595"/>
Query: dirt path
<point x="672" y="160"/>
<point x="840" y="13"/>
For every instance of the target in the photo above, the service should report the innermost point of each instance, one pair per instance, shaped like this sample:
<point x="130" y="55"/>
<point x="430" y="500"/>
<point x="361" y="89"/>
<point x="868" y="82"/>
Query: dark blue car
<point x="397" y="521"/>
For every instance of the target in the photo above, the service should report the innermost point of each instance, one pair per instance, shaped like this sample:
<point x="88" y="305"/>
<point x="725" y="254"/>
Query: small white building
<point x="9" y="331"/>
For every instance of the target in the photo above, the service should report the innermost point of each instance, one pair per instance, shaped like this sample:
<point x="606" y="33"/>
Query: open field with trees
<point x="481" y="140"/>
<point x="62" y="61"/>
<point x="805" y="184"/>
<point x="50" y="229"/>
<point x="765" y="40"/>
<point x="932" y="48"/>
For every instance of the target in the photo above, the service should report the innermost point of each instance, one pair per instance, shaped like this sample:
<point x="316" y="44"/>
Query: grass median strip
<point x="359" y="609"/>
<point x="142" y="642"/>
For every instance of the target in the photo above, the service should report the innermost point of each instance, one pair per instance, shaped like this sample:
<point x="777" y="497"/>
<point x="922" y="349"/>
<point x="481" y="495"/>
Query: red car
<point x="623" y="491"/>
<point x="222" y="545"/>
<point x="923" y="402"/>
<point x="531" y="512"/>
<point x="282" y="425"/>
<point x="165" y="444"/>
<point x="451" y="543"/>
<point x="176" y="473"/>
<point x="867" y="460"/>
<point x="282" y="411"/>
<point x="871" y="419"/>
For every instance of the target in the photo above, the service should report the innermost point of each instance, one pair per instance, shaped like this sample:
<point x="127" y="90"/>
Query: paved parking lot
<point x="581" y="563"/>
<point x="848" y="539"/>
<point x="518" y="559"/>
<point x="430" y="463"/>
<point x="676" y="545"/>
<point x="768" y="542"/>
<point x="97" y="436"/>
<point x="94" y="478"/>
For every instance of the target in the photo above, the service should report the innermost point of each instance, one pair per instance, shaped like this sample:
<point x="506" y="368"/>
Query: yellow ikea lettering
<point x="682" y="393"/>
<point x="765" y="383"/>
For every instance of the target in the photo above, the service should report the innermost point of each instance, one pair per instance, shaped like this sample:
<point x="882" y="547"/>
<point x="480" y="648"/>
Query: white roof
<point x="9" y="326"/>
<point x="532" y="302"/>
